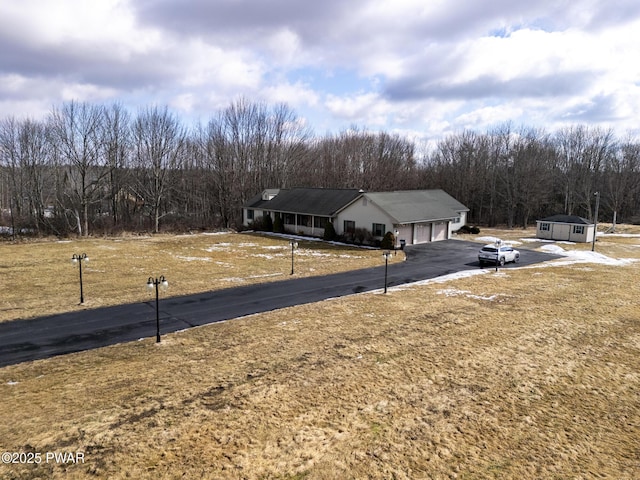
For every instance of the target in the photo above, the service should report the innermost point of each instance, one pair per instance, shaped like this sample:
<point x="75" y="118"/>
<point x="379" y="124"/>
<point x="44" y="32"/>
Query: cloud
<point x="406" y="65"/>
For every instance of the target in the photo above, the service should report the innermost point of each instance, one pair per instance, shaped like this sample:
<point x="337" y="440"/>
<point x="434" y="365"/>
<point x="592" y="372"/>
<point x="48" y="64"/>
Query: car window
<point x="489" y="249"/>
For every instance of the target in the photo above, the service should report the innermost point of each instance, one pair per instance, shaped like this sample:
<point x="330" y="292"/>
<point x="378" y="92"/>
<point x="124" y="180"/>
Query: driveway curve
<point x="43" y="337"/>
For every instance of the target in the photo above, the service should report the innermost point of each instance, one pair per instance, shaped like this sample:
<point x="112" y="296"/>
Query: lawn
<point x="38" y="278"/>
<point x="530" y="372"/>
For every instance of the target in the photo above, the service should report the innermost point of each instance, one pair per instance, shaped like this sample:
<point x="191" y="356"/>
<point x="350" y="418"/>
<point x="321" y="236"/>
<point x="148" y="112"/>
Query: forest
<point x="89" y="169"/>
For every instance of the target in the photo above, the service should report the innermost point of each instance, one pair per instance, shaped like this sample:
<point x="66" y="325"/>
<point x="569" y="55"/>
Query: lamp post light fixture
<point x="595" y="222"/>
<point x="294" y="245"/>
<point x="386" y="256"/>
<point x="79" y="259"/>
<point x="157" y="282"/>
<point x="498" y="243"/>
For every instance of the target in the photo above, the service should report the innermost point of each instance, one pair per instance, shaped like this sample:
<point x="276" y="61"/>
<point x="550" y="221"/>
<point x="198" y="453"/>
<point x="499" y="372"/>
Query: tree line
<point x="95" y="169"/>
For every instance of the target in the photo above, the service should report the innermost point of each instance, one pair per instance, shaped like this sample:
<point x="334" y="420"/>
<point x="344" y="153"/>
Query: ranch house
<point x="414" y="216"/>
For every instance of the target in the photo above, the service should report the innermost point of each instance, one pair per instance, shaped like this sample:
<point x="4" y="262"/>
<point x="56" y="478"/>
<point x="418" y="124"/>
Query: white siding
<point x="564" y="232"/>
<point x="364" y="216"/>
<point x="455" y="226"/>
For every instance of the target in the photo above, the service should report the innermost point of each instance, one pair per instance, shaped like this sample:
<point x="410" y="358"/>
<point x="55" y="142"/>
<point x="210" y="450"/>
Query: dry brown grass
<point x="525" y="373"/>
<point x="37" y="278"/>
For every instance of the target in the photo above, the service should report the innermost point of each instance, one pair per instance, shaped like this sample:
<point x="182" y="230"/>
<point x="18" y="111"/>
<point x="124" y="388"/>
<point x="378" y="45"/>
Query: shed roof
<point x="411" y="206"/>
<point x="574" y="219"/>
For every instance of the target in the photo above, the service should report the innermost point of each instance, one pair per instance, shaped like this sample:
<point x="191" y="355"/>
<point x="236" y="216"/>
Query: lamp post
<point x="595" y="222"/>
<point x="79" y="259"/>
<point x="157" y="282"/>
<point x="294" y="245"/>
<point x="386" y="256"/>
<point x="498" y="242"/>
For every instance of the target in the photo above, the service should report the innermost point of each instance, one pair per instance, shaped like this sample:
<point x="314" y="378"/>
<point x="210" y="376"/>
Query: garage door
<point x="422" y="232"/>
<point x="405" y="233"/>
<point x="440" y="231"/>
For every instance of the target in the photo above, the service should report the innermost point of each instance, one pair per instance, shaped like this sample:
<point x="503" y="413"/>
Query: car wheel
<point x="502" y="261"/>
<point x="481" y="264"/>
<point x="517" y="259"/>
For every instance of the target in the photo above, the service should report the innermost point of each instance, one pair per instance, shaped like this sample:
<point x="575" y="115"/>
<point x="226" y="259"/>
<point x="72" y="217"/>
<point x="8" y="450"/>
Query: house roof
<point x="410" y="206"/>
<point x="307" y="201"/>
<point x="575" y="219"/>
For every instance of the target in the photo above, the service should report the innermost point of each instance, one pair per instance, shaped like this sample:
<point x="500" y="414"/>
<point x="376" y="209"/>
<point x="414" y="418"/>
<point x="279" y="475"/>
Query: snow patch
<point x="453" y="292"/>
<point x="489" y="239"/>
<point x="193" y="259"/>
<point x="581" y="256"/>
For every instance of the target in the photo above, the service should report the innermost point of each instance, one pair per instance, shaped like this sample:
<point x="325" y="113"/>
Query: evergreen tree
<point x="268" y="223"/>
<point x="329" y="232"/>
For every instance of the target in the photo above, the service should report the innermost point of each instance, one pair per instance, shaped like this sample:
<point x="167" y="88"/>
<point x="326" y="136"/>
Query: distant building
<point x="565" y="227"/>
<point x="418" y="216"/>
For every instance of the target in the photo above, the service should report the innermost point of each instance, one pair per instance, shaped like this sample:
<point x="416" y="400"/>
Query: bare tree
<point x="159" y="139"/>
<point x="24" y="146"/>
<point x="622" y="174"/>
<point x="77" y="131"/>
<point x="117" y="150"/>
<point x="582" y="154"/>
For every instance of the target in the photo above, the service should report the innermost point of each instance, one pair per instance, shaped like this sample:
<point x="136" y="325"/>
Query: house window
<point x="249" y="214"/>
<point x="289" y="219"/>
<point x="544" y="227"/>
<point x="578" y="229"/>
<point x="378" y="229"/>
<point x="349" y="226"/>
<point x="321" y="222"/>
<point x="364" y="201"/>
<point x="304" y="220"/>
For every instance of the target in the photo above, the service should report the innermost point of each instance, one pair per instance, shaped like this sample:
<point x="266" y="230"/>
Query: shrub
<point x="362" y="235"/>
<point x="257" y="224"/>
<point x="278" y="226"/>
<point x="468" y="229"/>
<point x="329" y="232"/>
<point x="267" y="223"/>
<point x="388" y="241"/>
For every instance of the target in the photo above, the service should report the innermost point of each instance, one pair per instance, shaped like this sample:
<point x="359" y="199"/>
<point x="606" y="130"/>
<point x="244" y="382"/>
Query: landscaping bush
<point x="468" y="229"/>
<point x="278" y="226"/>
<point x="362" y="236"/>
<point x="388" y="241"/>
<point x="257" y="224"/>
<point x="329" y="232"/>
<point x="267" y="223"/>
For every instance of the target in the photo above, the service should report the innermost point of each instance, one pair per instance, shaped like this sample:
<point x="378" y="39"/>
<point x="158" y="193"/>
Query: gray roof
<point x="307" y="201"/>
<point x="410" y="206"/>
<point x="566" y="219"/>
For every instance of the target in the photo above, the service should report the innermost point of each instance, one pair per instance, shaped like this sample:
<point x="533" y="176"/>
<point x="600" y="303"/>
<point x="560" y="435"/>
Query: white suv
<point x="503" y="253"/>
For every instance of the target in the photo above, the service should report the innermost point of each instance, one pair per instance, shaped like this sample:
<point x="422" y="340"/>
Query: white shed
<point x="565" y="227"/>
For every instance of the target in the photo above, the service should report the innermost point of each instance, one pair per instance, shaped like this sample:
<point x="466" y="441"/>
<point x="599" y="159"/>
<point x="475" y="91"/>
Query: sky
<point x="424" y="69"/>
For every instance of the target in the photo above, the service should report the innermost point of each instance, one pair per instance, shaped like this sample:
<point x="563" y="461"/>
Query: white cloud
<point x="426" y="67"/>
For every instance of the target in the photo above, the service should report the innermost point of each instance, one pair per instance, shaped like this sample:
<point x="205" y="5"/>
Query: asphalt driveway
<point x="24" y="340"/>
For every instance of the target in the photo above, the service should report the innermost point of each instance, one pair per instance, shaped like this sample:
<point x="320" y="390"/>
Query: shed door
<point x="422" y="232"/>
<point x="439" y="231"/>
